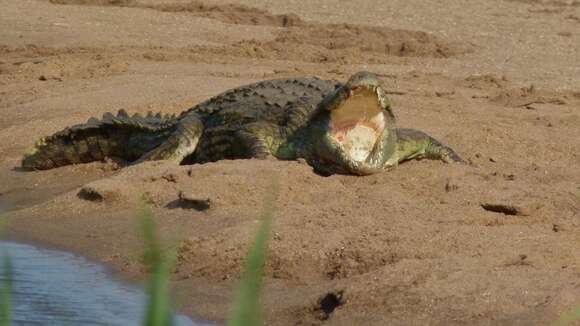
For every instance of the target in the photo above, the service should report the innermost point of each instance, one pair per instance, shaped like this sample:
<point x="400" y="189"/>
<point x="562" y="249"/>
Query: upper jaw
<point x="360" y="82"/>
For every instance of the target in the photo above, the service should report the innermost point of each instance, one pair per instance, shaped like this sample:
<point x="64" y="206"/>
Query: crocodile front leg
<point x="181" y="143"/>
<point x="415" y="144"/>
<point x="257" y="140"/>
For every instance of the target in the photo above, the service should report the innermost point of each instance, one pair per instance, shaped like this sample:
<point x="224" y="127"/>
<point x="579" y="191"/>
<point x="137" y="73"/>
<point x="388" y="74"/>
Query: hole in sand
<point x="189" y="201"/>
<point x="90" y="194"/>
<point x="502" y="208"/>
<point x="329" y="303"/>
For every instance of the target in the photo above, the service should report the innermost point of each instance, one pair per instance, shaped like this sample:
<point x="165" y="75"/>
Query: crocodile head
<point x="355" y="128"/>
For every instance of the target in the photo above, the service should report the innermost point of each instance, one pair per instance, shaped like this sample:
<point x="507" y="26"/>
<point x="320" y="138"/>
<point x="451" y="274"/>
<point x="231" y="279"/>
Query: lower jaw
<point x="366" y="169"/>
<point x="348" y="166"/>
<point x="378" y="157"/>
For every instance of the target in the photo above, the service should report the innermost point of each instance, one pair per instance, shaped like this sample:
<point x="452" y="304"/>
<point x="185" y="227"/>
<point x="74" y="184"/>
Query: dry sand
<point x="423" y="243"/>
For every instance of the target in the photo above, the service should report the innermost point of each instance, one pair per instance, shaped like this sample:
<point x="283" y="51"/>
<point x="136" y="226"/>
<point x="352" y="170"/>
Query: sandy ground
<point x="423" y="243"/>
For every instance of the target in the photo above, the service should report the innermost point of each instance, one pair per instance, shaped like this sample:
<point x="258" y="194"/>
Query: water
<point x="57" y="288"/>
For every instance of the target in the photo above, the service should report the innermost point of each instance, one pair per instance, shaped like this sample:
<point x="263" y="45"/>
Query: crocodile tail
<point x="119" y="136"/>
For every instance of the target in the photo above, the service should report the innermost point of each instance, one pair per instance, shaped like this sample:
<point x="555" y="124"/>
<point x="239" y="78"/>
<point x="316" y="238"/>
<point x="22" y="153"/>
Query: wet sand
<point x="491" y="243"/>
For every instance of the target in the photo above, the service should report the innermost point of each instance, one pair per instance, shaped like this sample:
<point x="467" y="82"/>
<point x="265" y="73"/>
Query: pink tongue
<point x="357" y="142"/>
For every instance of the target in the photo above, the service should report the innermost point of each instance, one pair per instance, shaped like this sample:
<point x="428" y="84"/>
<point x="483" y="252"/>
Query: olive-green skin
<point x="286" y="119"/>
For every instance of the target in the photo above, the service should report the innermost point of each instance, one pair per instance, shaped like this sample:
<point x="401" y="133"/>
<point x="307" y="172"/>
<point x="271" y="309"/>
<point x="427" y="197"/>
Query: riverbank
<point x="494" y="242"/>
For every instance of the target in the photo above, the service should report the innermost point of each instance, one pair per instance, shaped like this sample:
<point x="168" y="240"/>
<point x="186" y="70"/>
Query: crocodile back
<point x="275" y="106"/>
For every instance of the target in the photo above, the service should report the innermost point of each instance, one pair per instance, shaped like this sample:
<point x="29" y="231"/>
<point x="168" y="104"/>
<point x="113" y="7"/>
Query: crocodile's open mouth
<point x="358" y="123"/>
<point x="357" y="127"/>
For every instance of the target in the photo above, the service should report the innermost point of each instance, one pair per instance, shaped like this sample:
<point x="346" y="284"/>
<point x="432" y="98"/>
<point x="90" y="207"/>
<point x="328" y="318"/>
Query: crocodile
<point x="337" y="128"/>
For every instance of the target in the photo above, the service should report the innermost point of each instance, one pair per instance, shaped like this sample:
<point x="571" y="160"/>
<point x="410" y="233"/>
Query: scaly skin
<point x="337" y="128"/>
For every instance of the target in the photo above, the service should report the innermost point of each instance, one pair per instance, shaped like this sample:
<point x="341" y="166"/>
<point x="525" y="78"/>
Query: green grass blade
<point x="7" y="276"/>
<point x="246" y="308"/>
<point x="6" y="293"/>
<point x="569" y="318"/>
<point x="159" y="312"/>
